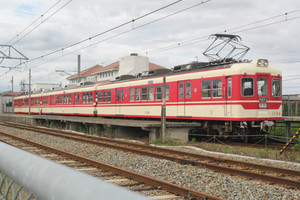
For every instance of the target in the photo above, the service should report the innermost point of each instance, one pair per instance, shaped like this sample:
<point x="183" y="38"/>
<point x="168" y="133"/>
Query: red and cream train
<point x="232" y="99"/>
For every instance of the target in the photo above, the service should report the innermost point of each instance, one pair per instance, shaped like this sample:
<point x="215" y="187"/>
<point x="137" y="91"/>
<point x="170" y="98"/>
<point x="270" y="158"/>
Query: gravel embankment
<point x="206" y="181"/>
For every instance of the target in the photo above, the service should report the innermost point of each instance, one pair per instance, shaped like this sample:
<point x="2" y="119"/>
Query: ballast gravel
<point x="206" y="181"/>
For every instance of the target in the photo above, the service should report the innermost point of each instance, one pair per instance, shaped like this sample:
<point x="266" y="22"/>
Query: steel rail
<point x="141" y="150"/>
<point x="132" y="175"/>
<point x="100" y="140"/>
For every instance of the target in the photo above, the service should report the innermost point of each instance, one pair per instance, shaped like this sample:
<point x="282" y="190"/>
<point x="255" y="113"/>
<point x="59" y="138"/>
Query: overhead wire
<point x="42" y="22"/>
<point x="41" y="16"/>
<point x="205" y="38"/>
<point x="134" y="28"/>
<point x="114" y="28"/>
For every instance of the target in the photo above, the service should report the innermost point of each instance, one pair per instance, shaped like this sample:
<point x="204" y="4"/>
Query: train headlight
<point x="262" y="63"/>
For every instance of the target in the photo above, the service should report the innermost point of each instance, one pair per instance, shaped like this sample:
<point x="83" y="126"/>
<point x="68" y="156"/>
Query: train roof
<point x="236" y="66"/>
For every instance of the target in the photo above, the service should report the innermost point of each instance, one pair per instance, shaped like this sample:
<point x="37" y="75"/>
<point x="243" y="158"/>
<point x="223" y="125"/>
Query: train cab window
<point x="100" y="97"/>
<point x="131" y="94"/>
<point x="180" y="91"/>
<point x="217" y="88"/>
<point x="109" y="96"/>
<point x="138" y="94"/>
<point x="104" y="96"/>
<point x="158" y="93"/>
<point x="205" y="89"/>
<point x="276" y="87"/>
<point x="144" y="93"/>
<point x="247" y="87"/>
<point x="188" y="90"/>
<point x="262" y="87"/>
<point x="150" y="93"/>
<point x="229" y="84"/>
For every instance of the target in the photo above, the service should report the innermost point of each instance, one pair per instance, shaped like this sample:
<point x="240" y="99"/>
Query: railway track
<point x="254" y="171"/>
<point x="154" y="188"/>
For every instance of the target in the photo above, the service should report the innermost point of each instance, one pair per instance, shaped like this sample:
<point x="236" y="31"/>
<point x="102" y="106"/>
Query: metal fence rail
<point x="46" y="179"/>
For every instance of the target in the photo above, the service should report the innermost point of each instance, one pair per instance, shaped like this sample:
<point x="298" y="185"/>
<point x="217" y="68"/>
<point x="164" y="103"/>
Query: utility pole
<point x="12" y="94"/>
<point x="29" y="92"/>
<point x="163" y="112"/>
<point x="78" y="69"/>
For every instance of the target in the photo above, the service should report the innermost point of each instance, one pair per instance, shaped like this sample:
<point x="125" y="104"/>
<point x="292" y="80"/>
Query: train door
<point x="228" y="96"/>
<point x="181" y="98"/>
<point x="119" y="99"/>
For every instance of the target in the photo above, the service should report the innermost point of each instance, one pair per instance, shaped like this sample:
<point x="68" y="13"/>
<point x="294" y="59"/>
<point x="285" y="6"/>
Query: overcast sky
<point x="167" y="38"/>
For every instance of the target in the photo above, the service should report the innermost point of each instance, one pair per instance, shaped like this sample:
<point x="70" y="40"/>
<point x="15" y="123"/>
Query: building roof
<point x="87" y="72"/>
<point x="9" y="93"/>
<point x="115" y="65"/>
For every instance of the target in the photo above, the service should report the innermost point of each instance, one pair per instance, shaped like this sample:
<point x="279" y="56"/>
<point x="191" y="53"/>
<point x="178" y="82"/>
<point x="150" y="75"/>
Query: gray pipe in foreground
<point x="46" y="179"/>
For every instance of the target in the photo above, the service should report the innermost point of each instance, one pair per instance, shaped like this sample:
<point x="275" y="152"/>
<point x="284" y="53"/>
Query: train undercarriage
<point x="235" y="129"/>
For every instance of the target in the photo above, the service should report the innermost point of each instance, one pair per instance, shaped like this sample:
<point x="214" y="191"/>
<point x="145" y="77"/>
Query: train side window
<point x="144" y="93"/>
<point x="188" y="90"/>
<point x="276" y="87"/>
<point x="83" y="97"/>
<point x="158" y="93"/>
<point x="229" y="84"/>
<point x="137" y="94"/>
<point x="104" y="96"/>
<point x="150" y="93"/>
<point x="100" y="97"/>
<point x="118" y="95"/>
<point x="247" y="87"/>
<point x="217" y="88"/>
<point x="37" y="101"/>
<point x="122" y="95"/>
<point x="205" y="90"/>
<point x="109" y="96"/>
<point x="180" y="90"/>
<point x="167" y="92"/>
<point x="76" y="98"/>
<point x="131" y="94"/>
<point x="91" y="97"/>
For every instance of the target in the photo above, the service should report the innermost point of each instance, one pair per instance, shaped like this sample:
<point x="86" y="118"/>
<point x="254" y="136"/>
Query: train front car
<point x="254" y="97"/>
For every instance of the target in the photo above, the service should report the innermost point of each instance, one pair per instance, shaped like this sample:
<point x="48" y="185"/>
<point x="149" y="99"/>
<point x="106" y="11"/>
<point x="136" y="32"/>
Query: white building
<point x="132" y="65"/>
